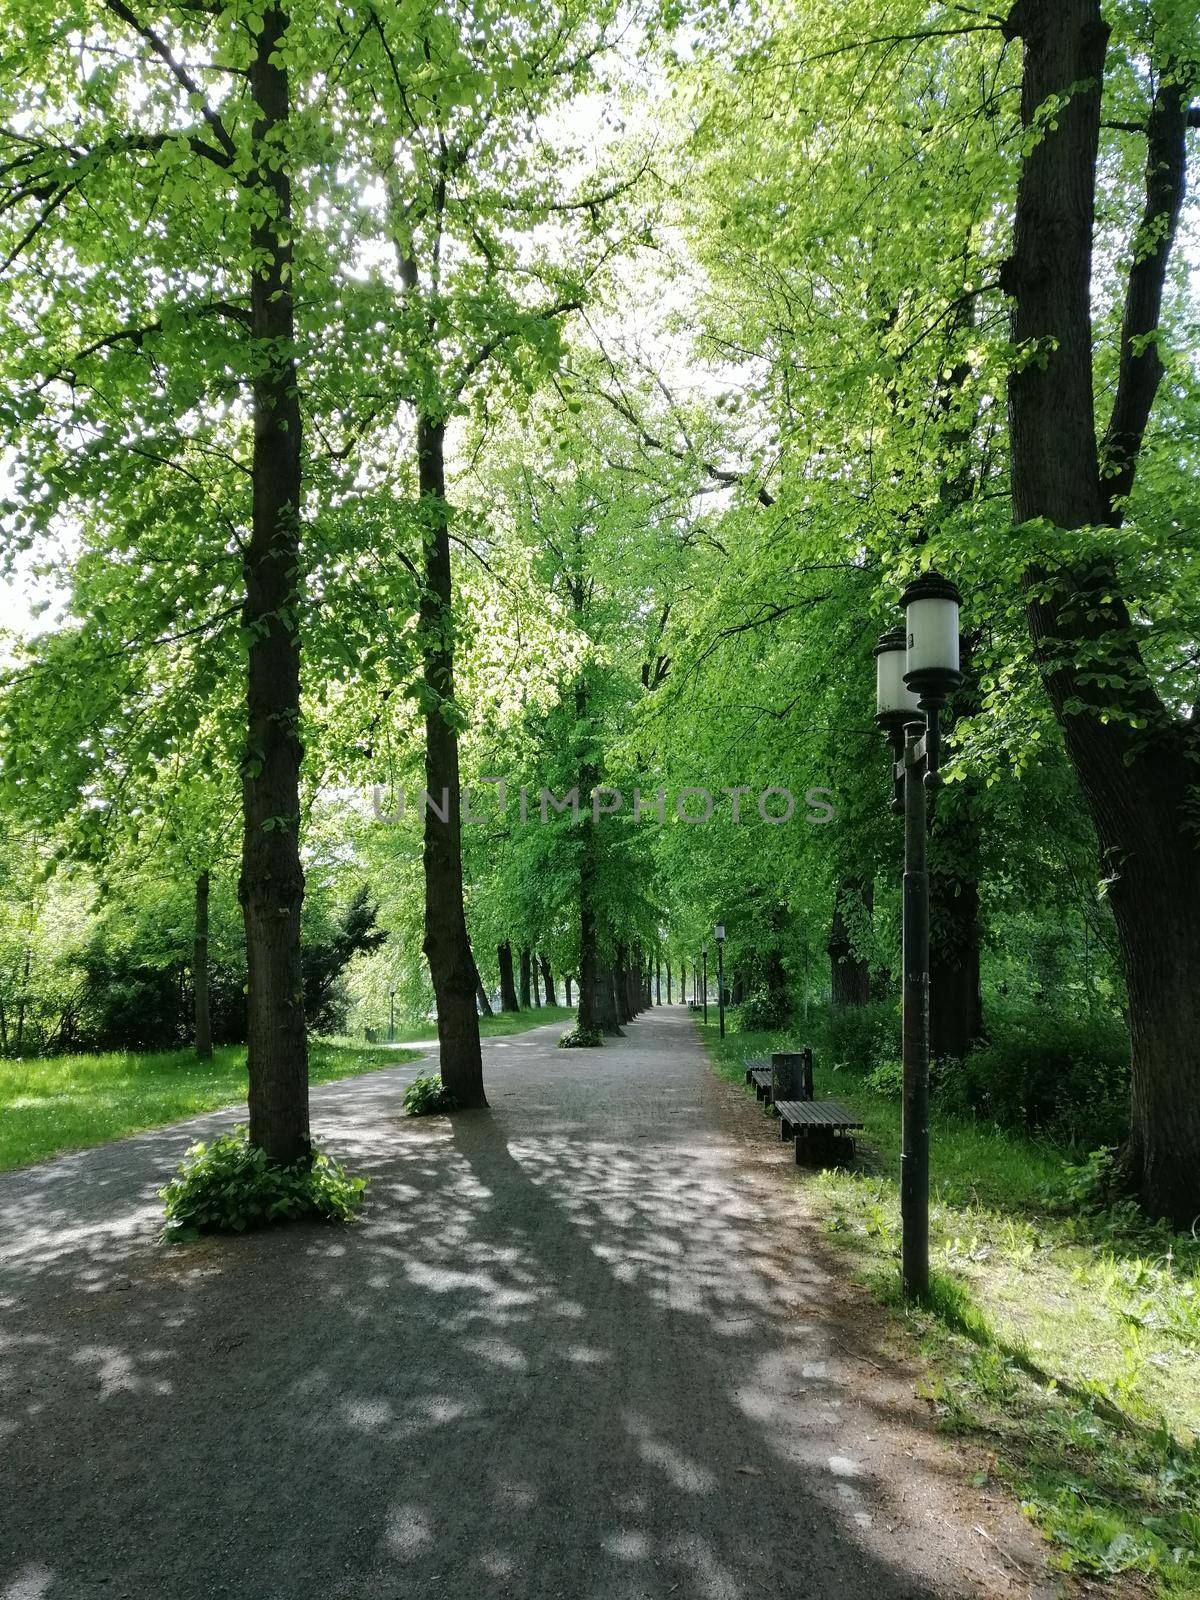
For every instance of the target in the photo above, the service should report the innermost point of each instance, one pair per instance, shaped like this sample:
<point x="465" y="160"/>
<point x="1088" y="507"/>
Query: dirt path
<point x="584" y="1345"/>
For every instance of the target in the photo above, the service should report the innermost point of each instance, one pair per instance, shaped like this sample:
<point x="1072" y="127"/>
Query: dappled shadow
<point x="579" y="1347"/>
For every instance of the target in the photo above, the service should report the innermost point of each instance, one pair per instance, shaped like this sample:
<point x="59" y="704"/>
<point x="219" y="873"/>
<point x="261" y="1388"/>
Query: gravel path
<point x="586" y="1344"/>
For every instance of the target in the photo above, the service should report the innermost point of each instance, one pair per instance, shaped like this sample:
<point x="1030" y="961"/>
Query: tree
<point x="1133" y="750"/>
<point x="160" y="134"/>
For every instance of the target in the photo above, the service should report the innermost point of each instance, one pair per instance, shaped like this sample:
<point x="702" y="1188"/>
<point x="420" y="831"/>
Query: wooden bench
<point x="822" y="1129"/>
<point x="758" y="1076"/>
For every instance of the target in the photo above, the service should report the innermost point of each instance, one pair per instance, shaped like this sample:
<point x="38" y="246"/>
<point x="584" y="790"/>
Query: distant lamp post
<point x="916" y="672"/>
<point x="719" y="935"/>
<point x="704" y="980"/>
<point x="392" y="1015"/>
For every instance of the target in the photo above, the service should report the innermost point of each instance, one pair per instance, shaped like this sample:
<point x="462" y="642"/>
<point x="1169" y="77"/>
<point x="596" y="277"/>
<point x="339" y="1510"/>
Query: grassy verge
<point x="1067" y="1341"/>
<point x="71" y="1102"/>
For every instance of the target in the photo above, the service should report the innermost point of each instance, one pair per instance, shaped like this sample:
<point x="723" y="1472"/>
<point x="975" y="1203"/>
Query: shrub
<point x="230" y="1185"/>
<point x="763" y="1010"/>
<point x="427" y="1096"/>
<point x="1068" y="1076"/>
<point x="581" y="1039"/>
<point x="861" y="1038"/>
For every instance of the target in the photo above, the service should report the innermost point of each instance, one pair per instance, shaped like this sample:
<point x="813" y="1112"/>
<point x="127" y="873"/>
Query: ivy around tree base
<point x="581" y="1039"/>
<point x="427" y="1096"/>
<point x="230" y="1186"/>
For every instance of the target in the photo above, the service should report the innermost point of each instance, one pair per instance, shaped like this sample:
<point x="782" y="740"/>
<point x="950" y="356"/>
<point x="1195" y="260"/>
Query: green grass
<point x="62" y="1103"/>
<point x="1065" y="1340"/>
<point x="502" y="1024"/>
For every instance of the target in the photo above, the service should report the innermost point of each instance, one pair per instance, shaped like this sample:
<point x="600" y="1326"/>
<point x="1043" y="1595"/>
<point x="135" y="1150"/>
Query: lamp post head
<point x="931" y="667"/>
<point x="895" y="704"/>
<point x="719" y="932"/>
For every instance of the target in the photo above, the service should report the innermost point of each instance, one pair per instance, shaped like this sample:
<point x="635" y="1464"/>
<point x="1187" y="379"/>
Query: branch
<point x="1141" y="368"/>
<point x="137" y="336"/>
<point x="181" y="75"/>
<point x="719" y="474"/>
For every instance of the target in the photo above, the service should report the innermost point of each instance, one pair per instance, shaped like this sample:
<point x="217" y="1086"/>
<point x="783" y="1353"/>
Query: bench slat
<point x="816" y="1114"/>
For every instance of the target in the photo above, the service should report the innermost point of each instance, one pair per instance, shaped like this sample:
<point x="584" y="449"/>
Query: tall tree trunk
<point x="526" y="989"/>
<point x="567" y="987"/>
<point x="849" y="973"/>
<point x="548" y="980"/>
<point x="22" y="1001"/>
<point x="590" y="1014"/>
<point x="200" y="970"/>
<point x="955" y="995"/>
<point x="606" y="999"/>
<point x="271" y="887"/>
<point x="447" y="946"/>
<point x="508" y="987"/>
<point x="1137" y="771"/>
<point x="481" y="994"/>
<point x="533" y="978"/>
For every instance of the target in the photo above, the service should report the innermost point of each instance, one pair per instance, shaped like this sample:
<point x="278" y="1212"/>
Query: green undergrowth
<point x="229" y="1186"/>
<point x="1063" y="1336"/>
<point x="428" y="1096"/>
<point x="578" y="1038"/>
<point x="54" y="1104"/>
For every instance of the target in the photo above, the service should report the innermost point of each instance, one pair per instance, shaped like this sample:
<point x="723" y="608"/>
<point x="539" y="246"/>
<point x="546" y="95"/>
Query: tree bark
<point x="271" y="886"/>
<point x="669" y="980"/>
<point x="447" y="946"/>
<point x="548" y="980"/>
<point x="606" y="999"/>
<point x="533" y="978"/>
<point x="508" y="988"/>
<point x="23" y="998"/>
<point x="200" y="970"/>
<point x="567" y="987"/>
<point x="1138" y="780"/>
<point x="481" y="994"/>
<point x="955" y="995"/>
<point x="526" y="990"/>
<point x="849" y="973"/>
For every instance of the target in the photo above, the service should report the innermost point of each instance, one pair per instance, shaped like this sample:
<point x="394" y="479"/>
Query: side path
<point x="584" y="1345"/>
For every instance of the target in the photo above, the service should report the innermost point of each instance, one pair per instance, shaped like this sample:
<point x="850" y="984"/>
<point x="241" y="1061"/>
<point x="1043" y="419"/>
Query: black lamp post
<point x="916" y="672"/>
<point x="392" y="1015"/>
<point x="704" y="959"/>
<point x="719" y="934"/>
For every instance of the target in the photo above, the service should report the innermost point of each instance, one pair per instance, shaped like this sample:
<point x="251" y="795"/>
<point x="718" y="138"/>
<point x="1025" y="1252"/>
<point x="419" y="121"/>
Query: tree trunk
<point x="533" y="978"/>
<point x="669" y="980"/>
<point x="591" y="1013"/>
<point x="955" y="996"/>
<point x="271" y="887"/>
<point x="200" y="970"/>
<point x="481" y="994"/>
<point x="508" y="987"/>
<point x="567" y="987"/>
<point x="606" y="999"/>
<point x="849" y="973"/>
<point x="447" y="946"/>
<point x="26" y="964"/>
<point x="526" y="989"/>
<point x="1138" y="779"/>
<point x="548" y="980"/>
